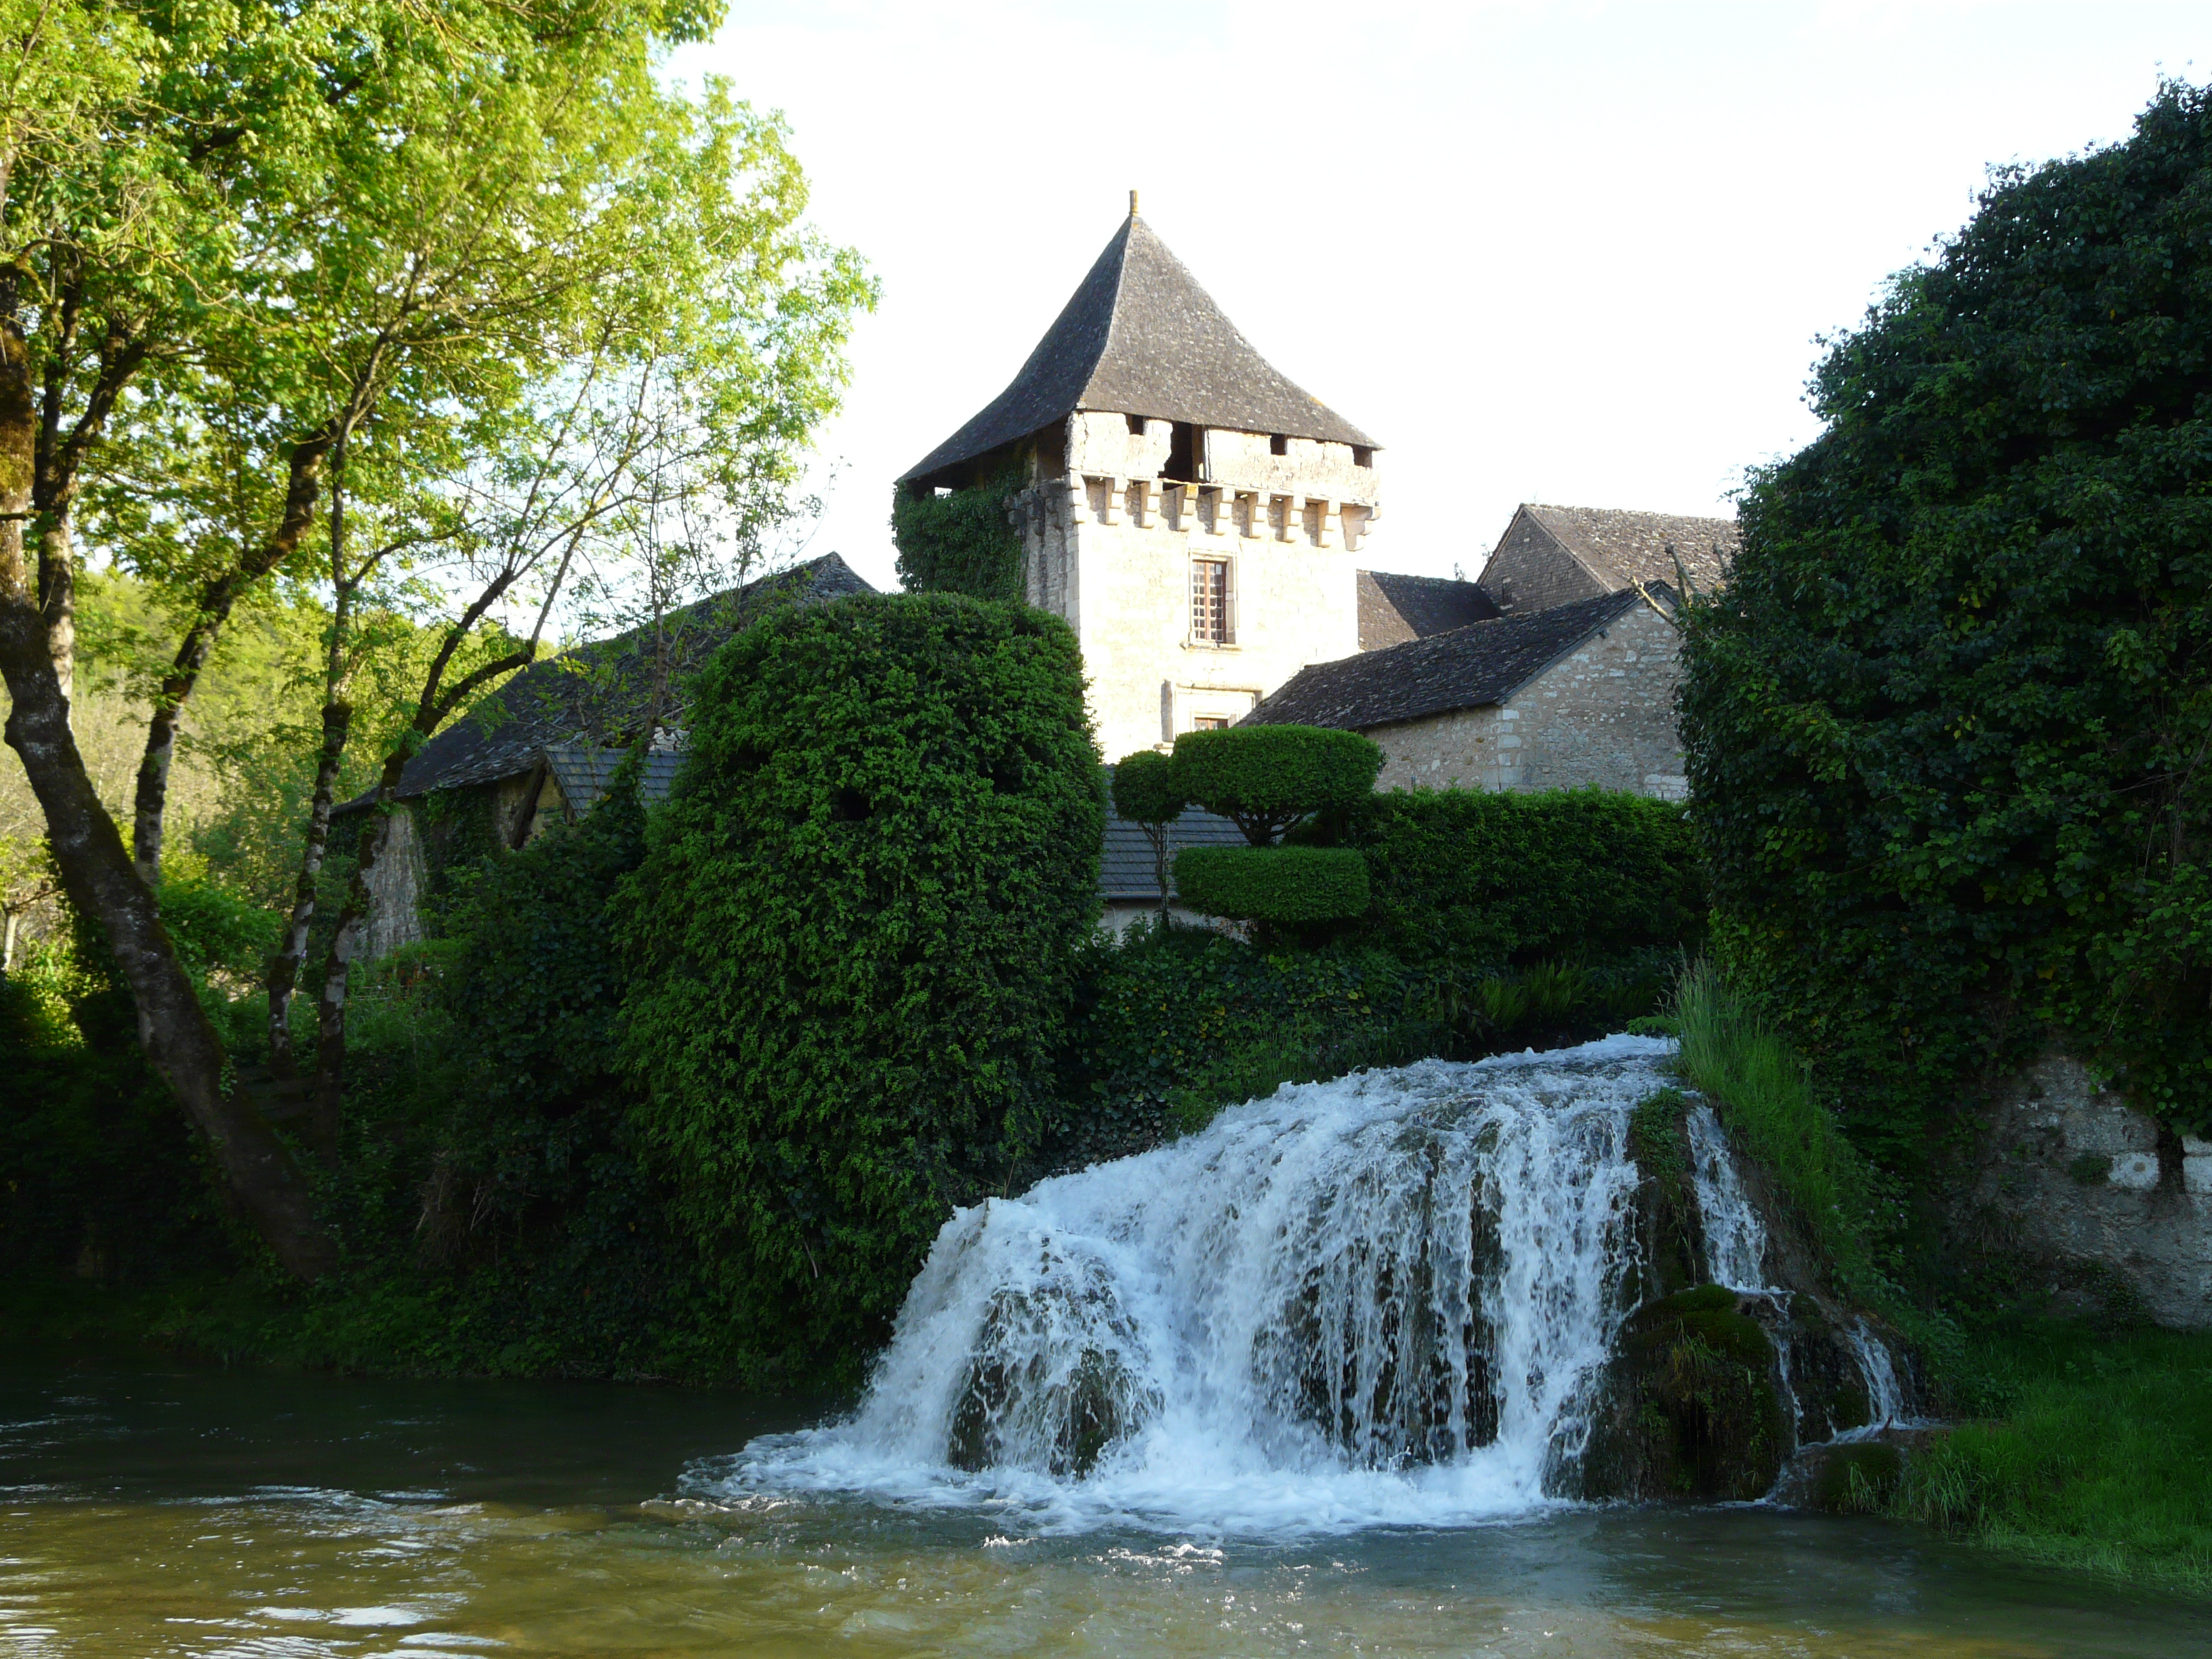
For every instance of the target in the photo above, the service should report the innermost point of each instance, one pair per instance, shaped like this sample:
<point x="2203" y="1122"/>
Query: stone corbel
<point x="1294" y="519"/>
<point x="1225" y="513"/>
<point x="1256" y="523"/>
<point x="1117" y="491"/>
<point x="1326" y="536"/>
<point x="1147" y="502"/>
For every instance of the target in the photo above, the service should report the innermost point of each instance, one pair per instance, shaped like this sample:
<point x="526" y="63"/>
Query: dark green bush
<point x="1946" y="726"/>
<point x="1278" y="884"/>
<point x="853" y="942"/>
<point x="963" y="543"/>
<point x="1480" y="878"/>
<point x="1264" y="779"/>
<point x="1146" y="790"/>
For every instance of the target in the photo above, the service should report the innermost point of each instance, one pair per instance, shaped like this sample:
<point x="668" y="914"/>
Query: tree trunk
<point x="98" y="877"/>
<point x="57" y="598"/>
<point x="292" y="955"/>
<point x="346" y="942"/>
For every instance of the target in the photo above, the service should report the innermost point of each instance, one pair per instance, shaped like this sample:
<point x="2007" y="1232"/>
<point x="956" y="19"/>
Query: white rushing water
<point x="1735" y="1239"/>
<point x="1379" y="1299"/>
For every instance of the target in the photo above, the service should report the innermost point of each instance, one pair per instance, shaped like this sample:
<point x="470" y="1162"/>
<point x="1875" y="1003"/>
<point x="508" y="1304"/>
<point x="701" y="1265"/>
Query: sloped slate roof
<point x="1142" y="338"/>
<point x="1126" y="871"/>
<point x="598" y="693"/>
<point x="1620" y="548"/>
<point x="1394" y="609"/>
<point x="1469" y="667"/>
<point x="586" y="772"/>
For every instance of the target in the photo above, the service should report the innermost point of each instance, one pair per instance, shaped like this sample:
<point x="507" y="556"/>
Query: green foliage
<point x="1486" y="877"/>
<point x="853" y="942"/>
<point x="1276" y="884"/>
<point x="2094" y="1452"/>
<point x="1175" y="1022"/>
<point x="1264" y="779"/>
<point x="1764" y="1093"/>
<point x="965" y="542"/>
<point x="1946" y="727"/>
<point x="218" y="933"/>
<point x="1145" y="789"/>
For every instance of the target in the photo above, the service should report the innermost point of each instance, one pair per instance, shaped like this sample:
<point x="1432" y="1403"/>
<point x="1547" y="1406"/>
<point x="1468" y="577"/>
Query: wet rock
<point x="1670" y="1234"/>
<point x="1693" y="1407"/>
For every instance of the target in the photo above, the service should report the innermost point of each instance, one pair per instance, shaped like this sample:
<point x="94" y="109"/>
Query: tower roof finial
<point x="1133" y="204"/>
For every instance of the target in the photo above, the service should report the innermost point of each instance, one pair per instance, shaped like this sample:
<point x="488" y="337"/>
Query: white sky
<point x="1570" y="252"/>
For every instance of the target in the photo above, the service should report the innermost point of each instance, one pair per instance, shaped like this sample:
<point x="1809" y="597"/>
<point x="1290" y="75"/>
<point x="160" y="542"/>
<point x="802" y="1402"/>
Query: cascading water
<point x="1387" y="1299"/>
<point x="1735" y="1239"/>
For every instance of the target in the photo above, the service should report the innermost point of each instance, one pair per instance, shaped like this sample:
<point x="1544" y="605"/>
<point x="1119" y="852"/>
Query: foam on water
<point x="1381" y="1299"/>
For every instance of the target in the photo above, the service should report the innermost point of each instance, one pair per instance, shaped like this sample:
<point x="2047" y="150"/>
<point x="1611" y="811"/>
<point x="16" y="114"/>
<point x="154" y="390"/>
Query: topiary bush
<point x="1481" y="878"/>
<point x="1146" y="793"/>
<point x="853" y="943"/>
<point x="1282" y="885"/>
<point x="1946" y="726"/>
<point x="965" y="542"/>
<point x="1264" y="779"/>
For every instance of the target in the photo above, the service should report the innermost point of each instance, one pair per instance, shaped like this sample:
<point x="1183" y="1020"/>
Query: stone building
<point x="1553" y="555"/>
<point x="1579" y="694"/>
<point x="543" y="746"/>
<point x="1191" y="513"/>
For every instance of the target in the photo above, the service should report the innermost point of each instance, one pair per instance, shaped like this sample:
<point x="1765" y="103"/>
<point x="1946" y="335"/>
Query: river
<point x="152" y="1509"/>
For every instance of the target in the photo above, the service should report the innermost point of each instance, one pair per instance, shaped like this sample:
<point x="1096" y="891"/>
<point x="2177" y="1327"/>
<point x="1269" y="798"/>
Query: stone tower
<point x="1190" y="512"/>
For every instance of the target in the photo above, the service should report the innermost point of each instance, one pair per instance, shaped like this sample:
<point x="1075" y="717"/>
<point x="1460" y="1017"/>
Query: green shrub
<point x="1275" y="884"/>
<point x="1145" y="792"/>
<point x="1145" y="789"/>
<point x="217" y="933"/>
<point x="963" y="543"/>
<point x="1264" y="779"/>
<point x="1946" y="725"/>
<point x="1483" y="877"/>
<point x="853" y="942"/>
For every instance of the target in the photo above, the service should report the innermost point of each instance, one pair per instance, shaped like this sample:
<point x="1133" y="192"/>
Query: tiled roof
<point x="1142" y="338"/>
<point x="1394" y="609"/>
<point x="1621" y="546"/>
<point x="586" y="773"/>
<point x="1469" y="667"/>
<point x="1126" y="871"/>
<point x="598" y="693"/>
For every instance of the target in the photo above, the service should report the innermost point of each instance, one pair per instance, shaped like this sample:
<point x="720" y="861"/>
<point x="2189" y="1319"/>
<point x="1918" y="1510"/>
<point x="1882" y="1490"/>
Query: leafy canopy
<point x="1949" y="726"/>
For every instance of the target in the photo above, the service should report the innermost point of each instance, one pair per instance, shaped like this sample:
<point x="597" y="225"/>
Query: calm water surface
<point x="183" y="1511"/>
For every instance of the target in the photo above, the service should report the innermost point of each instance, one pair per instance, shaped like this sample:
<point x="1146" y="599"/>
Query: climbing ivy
<point x="965" y="542"/>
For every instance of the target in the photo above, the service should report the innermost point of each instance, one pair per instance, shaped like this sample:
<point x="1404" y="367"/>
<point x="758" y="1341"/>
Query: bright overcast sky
<point x="1569" y="253"/>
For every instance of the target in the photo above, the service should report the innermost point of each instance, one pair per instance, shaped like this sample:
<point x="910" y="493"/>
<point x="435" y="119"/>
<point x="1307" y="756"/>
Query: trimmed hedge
<point x="1145" y="789"/>
<point x="1264" y="779"/>
<point x="1485" y="879"/>
<point x="853" y="943"/>
<point x="1279" y="885"/>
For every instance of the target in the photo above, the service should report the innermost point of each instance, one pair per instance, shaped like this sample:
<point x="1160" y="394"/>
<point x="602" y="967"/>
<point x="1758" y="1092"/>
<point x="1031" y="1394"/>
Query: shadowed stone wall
<point x="1602" y="714"/>
<point x="2070" y="1173"/>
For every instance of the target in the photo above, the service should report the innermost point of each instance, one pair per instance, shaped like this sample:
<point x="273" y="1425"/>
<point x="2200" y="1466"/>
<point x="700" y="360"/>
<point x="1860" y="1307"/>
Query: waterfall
<point x="1389" y="1298"/>
<point x="1885" y="1398"/>
<point x="1735" y="1239"/>
<point x="1385" y="1297"/>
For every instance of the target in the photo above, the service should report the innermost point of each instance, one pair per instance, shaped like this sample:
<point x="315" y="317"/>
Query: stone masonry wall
<point x="1528" y="571"/>
<point x="1108" y="544"/>
<point x="2070" y="1173"/>
<point x="1602" y="714"/>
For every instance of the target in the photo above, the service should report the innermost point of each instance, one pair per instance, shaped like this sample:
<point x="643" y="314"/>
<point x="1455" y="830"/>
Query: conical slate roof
<point x="1142" y="338"/>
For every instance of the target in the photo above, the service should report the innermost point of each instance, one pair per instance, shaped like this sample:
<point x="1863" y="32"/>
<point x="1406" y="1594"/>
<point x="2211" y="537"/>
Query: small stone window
<point x="1278" y="444"/>
<point x="1210" y="723"/>
<point x="1213" y="603"/>
<point x="1136" y="425"/>
<point x="1361" y="456"/>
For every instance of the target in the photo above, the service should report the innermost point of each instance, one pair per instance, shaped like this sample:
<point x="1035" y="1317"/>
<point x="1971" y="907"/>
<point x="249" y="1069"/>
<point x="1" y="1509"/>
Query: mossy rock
<point x="1694" y="1408"/>
<point x="1670" y="1233"/>
<point x="1857" y="1479"/>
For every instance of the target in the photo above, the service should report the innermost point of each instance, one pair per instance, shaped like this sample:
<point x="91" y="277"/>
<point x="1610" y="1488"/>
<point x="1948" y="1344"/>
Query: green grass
<point x="2095" y="1452"/>
<point x="1764" y="1093"/>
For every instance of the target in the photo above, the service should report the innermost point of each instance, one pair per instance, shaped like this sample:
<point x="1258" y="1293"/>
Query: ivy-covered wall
<point x="965" y="542"/>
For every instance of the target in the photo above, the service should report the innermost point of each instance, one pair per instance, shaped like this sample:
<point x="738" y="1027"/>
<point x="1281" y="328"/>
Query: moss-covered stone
<point x="1670" y="1235"/>
<point x="1694" y="1408"/>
